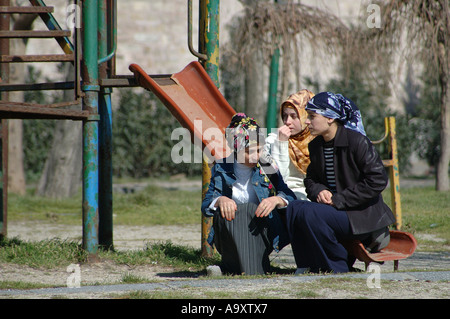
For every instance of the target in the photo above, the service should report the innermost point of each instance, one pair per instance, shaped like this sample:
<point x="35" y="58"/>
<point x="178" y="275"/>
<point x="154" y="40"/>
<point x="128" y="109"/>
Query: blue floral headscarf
<point x="336" y="106"/>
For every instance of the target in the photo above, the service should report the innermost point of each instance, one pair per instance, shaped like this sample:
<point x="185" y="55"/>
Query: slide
<point x="194" y="100"/>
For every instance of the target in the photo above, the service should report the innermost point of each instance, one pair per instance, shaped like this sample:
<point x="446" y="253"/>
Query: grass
<point x="423" y="210"/>
<point x="55" y="253"/>
<point x="152" y="206"/>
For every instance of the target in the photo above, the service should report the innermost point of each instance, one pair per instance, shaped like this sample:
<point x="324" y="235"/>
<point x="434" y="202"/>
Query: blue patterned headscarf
<point x="336" y="106"/>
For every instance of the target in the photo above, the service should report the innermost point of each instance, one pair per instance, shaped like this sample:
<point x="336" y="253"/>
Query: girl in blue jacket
<point x="246" y="196"/>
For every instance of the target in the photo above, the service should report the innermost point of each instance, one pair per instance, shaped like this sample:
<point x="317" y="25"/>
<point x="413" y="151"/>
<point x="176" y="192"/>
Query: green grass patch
<point x="151" y="206"/>
<point x="57" y="253"/>
<point x="157" y="206"/>
<point x="43" y="254"/>
<point x="19" y="285"/>
<point x="424" y="210"/>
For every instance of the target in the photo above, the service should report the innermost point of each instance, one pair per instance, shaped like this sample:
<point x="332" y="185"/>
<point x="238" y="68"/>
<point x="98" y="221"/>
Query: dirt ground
<point x="136" y="237"/>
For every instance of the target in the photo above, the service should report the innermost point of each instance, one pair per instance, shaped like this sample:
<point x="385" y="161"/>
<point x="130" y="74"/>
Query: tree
<point x="427" y="27"/>
<point x="62" y="172"/>
<point x="265" y="27"/>
<point x="16" y="172"/>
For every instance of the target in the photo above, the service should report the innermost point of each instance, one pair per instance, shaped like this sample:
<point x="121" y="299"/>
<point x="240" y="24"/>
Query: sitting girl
<point x="245" y="196"/>
<point x="344" y="182"/>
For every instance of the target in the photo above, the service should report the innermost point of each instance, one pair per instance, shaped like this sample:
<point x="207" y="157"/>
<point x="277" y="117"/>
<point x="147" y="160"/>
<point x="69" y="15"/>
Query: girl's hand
<point x="227" y="207"/>
<point x="284" y="133"/>
<point x="324" y="197"/>
<point x="268" y="204"/>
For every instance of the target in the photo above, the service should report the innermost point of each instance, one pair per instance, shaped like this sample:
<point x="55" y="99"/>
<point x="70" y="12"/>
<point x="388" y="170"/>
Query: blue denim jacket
<point x="221" y="184"/>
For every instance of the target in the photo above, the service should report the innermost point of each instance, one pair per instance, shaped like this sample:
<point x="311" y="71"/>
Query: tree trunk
<point x="61" y="176"/>
<point x="255" y="104"/>
<point x="442" y="177"/>
<point x="16" y="171"/>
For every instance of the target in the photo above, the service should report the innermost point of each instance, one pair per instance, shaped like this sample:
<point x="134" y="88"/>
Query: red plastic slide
<point x="194" y="100"/>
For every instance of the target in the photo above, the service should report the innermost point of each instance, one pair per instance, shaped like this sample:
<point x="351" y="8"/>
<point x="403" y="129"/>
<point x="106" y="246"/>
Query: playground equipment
<point x="190" y="95"/>
<point x="401" y="246"/>
<point x="93" y="56"/>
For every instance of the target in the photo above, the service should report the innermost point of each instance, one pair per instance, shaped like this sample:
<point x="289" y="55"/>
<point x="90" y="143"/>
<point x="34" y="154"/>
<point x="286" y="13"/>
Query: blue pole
<point x="90" y="127"/>
<point x="105" y="226"/>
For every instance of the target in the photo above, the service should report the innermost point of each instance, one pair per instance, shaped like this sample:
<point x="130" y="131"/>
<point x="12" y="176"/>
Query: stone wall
<point x="153" y="34"/>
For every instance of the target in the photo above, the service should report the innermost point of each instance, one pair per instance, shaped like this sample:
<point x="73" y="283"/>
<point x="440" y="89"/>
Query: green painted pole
<point x="271" y="117"/>
<point x="209" y="37"/>
<point x="105" y="225"/>
<point x="89" y="71"/>
<point x="271" y="120"/>
<point x="209" y="45"/>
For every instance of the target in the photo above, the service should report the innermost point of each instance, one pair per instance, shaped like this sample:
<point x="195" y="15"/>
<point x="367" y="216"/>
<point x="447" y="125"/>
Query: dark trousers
<point x="243" y="242"/>
<point x="315" y="231"/>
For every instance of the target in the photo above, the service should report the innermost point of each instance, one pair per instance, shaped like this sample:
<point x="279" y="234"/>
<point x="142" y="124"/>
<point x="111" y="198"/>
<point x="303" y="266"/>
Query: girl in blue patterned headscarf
<point x="336" y="106"/>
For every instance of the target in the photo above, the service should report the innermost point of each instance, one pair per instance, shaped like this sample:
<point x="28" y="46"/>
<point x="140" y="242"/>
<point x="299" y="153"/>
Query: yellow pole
<point x="394" y="174"/>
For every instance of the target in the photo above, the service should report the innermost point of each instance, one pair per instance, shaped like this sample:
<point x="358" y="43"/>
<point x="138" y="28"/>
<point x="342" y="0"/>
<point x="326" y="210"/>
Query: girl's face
<point x="292" y="121"/>
<point x="250" y="155"/>
<point x="318" y="124"/>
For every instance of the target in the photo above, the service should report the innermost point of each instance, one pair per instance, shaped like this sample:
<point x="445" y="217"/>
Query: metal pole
<point x="4" y="76"/>
<point x="209" y="45"/>
<point x="271" y="117"/>
<point x="105" y="135"/>
<point x="90" y="127"/>
<point x="394" y="173"/>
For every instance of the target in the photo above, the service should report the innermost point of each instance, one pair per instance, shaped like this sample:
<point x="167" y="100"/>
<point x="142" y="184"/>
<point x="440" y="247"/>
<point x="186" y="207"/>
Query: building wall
<point x="153" y="34"/>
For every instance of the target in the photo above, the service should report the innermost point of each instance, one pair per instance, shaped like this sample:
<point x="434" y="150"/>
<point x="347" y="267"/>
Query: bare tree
<point x="16" y="172"/>
<point x="266" y="26"/>
<point x="426" y="23"/>
<point x="62" y="172"/>
<point x="427" y="27"/>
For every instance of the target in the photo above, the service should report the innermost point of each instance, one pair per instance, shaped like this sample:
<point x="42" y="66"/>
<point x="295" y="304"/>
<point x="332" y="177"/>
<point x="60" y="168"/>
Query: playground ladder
<point x="17" y="110"/>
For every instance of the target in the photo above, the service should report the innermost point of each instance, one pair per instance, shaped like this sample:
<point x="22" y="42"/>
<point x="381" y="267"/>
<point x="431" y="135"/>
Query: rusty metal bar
<point x="201" y="56"/>
<point x="130" y="81"/>
<point x="4" y="77"/>
<point x="27" y="112"/>
<point x="386" y="132"/>
<point x="37" y="58"/>
<point x="5" y="87"/>
<point x="24" y="10"/>
<point x="34" y="34"/>
<point x="53" y="105"/>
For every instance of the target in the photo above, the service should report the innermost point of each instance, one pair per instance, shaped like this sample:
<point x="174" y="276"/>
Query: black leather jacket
<point x="360" y="179"/>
